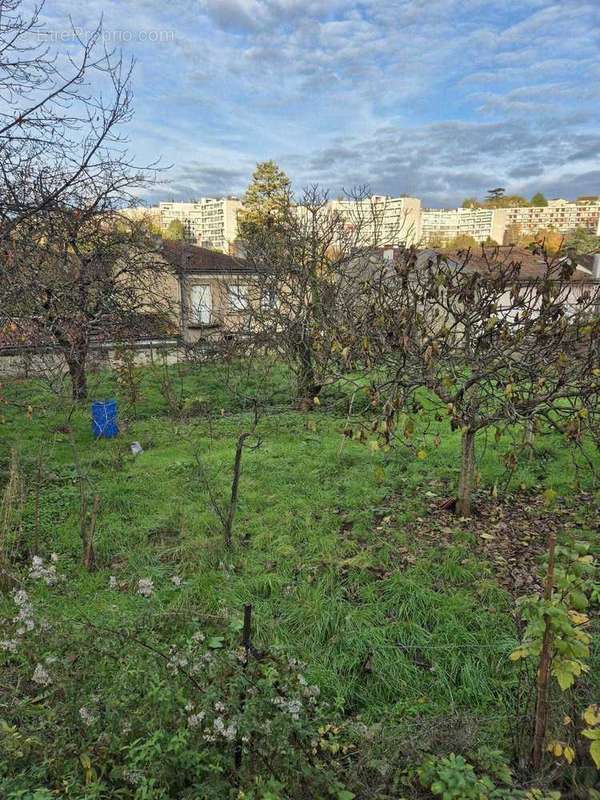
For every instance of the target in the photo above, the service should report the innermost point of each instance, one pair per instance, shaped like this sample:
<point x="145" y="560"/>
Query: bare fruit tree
<point x="480" y="339"/>
<point x="83" y="277"/>
<point x="67" y="262"/>
<point x="304" y="256"/>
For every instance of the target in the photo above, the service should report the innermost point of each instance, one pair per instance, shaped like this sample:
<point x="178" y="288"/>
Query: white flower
<point x="311" y="692"/>
<point x="21" y="598"/>
<point x="146" y="587"/>
<point x="292" y="707"/>
<point x="198" y="637"/>
<point x="112" y="582"/>
<point x="9" y="645"/>
<point x="194" y="720"/>
<point x="133" y="776"/>
<point x="41" y="676"/>
<point x="176" y="580"/>
<point x="219" y="706"/>
<point x="226" y="732"/>
<point x="54" y="557"/>
<point x="176" y="662"/>
<point x="86" y="716"/>
<point x="38" y="570"/>
<point x="25" y="614"/>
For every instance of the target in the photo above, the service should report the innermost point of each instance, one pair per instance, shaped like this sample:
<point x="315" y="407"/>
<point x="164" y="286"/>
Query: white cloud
<point x="434" y="97"/>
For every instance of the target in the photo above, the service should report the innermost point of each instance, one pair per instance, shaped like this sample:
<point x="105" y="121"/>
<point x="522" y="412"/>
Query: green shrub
<point x="453" y="778"/>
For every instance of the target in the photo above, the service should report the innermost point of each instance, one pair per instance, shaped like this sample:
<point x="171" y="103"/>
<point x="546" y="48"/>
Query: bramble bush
<point x="189" y="708"/>
<point x="454" y="778"/>
<point x="93" y="712"/>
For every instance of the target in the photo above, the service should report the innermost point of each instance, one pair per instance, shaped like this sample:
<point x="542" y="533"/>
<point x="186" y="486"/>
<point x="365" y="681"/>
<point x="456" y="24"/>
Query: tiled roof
<point x="192" y="258"/>
<point x="531" y="264"/>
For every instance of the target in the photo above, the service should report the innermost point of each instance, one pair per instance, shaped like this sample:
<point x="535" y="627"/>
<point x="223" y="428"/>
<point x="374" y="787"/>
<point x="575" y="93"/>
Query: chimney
<point x="596" y="267"/>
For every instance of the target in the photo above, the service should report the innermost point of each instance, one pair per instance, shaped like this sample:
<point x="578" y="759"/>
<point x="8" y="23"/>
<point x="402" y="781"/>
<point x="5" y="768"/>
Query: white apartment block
<point x="210" y="222"/>
<point x="445" y="224"/>
<point x="383" y="220"/>
<point x="559" y="215"/>
<point x="482" y="224"/>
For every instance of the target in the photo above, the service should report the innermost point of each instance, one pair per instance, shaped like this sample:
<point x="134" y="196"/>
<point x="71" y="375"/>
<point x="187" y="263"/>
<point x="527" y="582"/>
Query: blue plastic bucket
<point x="104" y="419"/>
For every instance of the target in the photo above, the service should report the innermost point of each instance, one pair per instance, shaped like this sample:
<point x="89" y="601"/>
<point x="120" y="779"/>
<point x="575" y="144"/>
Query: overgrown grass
<point x="388" y="627"/>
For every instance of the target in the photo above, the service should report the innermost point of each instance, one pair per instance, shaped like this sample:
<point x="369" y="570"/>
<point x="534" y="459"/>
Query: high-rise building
<point x="445" y="224"/>
<point x="210" y="222"/>
<point x="560" y="215"/>
<point x="383" y="220"/>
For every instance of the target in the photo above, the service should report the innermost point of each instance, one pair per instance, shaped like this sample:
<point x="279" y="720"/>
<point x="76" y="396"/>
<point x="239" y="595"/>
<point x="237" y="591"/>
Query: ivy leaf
<point x="215" y="642"/>
<point x="577" y="618"/>
<point x="594" y="735"/>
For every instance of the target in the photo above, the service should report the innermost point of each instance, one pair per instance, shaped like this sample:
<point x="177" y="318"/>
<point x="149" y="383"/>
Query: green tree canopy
<point x="461" y="242"/>
<point x="174" y="230"/>
<point x="267" y="194"/>
<point x="505" y="201"/>
<point x="538" y="199"/>
<point x="583" y="241"/>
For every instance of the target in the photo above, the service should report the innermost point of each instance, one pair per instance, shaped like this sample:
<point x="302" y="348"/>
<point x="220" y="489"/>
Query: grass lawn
<point x="335" y="542"/>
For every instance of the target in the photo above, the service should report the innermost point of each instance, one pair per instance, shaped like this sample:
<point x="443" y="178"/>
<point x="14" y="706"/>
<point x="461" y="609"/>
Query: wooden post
<point x="38" y="489"/>
<point x="543" y="673"/>
<point x="247" y="631"/>
<point x="237" y="466"/>
<point x="89" y="558"/>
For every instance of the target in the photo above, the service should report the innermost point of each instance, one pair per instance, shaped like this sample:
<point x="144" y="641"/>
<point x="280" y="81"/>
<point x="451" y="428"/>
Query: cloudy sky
<point x="435" y="98"/>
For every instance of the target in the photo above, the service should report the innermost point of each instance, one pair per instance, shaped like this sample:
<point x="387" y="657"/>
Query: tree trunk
<point x="467" y="474"/>
<point x="77" y="371"/>
<point x="545" y="662"/>
<point x="235" y="484"/>
<point x="307" y="387"/>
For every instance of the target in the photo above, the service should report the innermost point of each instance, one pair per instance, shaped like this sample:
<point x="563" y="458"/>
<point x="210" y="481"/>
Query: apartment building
<point x="210" y="222"/>
<point x="483" y="224"/>
<point x="382" y="219"/>
<point x="559" y="215"/>
<point x="445" y="224"/>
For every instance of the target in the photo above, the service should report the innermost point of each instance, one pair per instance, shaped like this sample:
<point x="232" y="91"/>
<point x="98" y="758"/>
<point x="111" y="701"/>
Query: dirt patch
<point x="511" y="532"/>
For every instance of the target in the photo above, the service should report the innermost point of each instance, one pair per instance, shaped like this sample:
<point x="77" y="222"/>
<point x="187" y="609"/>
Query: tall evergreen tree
<point x="267" y="195"/>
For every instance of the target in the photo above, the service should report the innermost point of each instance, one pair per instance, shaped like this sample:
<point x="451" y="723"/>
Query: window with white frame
<point x="268" y="298"/>
<point x="238" y="296"/>
<point x="201" y="305"/>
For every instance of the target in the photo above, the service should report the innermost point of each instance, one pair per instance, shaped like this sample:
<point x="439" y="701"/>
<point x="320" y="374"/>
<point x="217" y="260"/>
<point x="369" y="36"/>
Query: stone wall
<point x="30" y="363"/>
